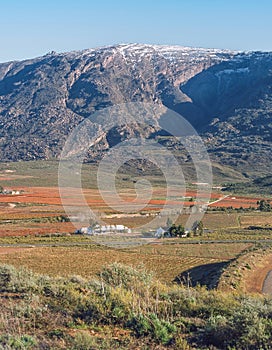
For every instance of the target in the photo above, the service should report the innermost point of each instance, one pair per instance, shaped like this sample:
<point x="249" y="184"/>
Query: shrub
<point x="252" y="324"/>
<point x="249" y="327"/>
<point x="24" y="342"/>
<point x="117" y="275"/>
<point x="17" y="280"/>
<point x="150" y="325"/>
<point x="127" y="298"/>
<point x="217" y="331"/>
<point x="83" y="341"/>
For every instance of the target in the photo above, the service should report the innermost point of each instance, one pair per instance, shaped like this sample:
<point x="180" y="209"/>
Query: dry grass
<point x="167" y="261"/>
<point x="258" y="219"/>
<point x="248" y="272"/>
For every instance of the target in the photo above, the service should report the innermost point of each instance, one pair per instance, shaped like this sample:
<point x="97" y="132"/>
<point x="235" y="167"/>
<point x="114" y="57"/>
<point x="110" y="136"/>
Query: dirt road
<point x="267" y="285"/>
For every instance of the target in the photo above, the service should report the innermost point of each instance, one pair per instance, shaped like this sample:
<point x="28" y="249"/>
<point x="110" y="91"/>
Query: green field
<point x="45" y="173"/>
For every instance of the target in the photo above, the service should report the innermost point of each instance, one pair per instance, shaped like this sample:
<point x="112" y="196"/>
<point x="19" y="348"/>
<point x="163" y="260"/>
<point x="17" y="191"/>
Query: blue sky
<point x="32" y="28"/>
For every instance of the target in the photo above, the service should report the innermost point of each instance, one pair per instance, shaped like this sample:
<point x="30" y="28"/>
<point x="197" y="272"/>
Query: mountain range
<point x="225" y="95"/>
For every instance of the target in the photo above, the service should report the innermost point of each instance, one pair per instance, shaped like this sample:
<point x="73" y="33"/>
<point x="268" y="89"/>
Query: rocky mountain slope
<point x="226" y="95"/>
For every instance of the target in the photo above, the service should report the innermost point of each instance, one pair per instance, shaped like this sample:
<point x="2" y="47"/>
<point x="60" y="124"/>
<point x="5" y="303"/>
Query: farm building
<point x="103" y="229"/>
<point x="164" y="232"/>
<point x="10" y="192"/>
<point x="84" y="231"/>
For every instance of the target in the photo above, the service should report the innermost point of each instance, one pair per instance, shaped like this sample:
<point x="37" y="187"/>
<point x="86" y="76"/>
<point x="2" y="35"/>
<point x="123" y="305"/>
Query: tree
<point x="264" y="205"/>
<point x="198" y="228"/>
<point x="180" y="230"/>
<point x="173" y="230"/>
<point x="169" y="222"/>
<point x="176" y="231"/>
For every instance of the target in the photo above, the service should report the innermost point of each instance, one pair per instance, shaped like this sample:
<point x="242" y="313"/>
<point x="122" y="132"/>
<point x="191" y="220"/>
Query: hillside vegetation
<point x="126" y="308"/>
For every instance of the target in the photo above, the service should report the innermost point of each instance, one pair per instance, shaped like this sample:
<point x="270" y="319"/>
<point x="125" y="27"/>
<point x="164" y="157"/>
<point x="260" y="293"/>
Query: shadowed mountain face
<point x="225" y="95"/>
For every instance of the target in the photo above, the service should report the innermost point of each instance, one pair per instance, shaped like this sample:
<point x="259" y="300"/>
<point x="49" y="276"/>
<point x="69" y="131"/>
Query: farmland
<point x="137" y="287"/>
<point x="166" y="261"/>
<point x="35" y="232"/>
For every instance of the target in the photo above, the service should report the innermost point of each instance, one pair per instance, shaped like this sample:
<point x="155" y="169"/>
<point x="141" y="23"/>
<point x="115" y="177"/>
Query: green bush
<point x="217" y="331"/>
<point x="84" y="341"/>
<point x="150" y="325"/>
<point x="249" y="327"/>
<point x="23" y="342"/>
<point x="128" y="300"/>
<point x="252" y="324"/>
<point x="17" y="280"/>
<point x="117" y="275"/>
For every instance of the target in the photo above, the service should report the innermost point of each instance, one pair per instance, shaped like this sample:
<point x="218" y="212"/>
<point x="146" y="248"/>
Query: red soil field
<point x="237" y="202"/>
<point x="51" y="196"/>
<point x="45" y="202"/>
<point x="36" y="228"/>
